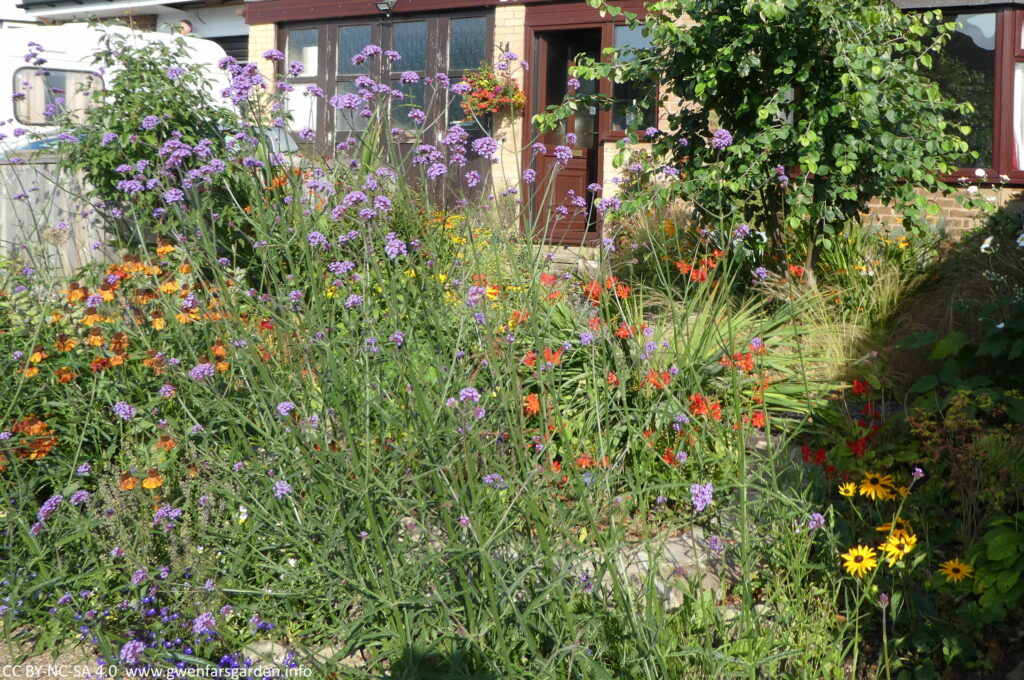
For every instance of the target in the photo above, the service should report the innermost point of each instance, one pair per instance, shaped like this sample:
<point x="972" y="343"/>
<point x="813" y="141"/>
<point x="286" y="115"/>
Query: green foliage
<point x="835" y="93"/>
<point x="146" y="79"/>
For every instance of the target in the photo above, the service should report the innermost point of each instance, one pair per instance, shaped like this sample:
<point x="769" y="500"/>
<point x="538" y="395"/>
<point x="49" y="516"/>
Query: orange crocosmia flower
<point x="480" y="280"/>
<point x="610" y="282"/>
<point x="622" y="291"/>
<point x="556" y="466"/>
<point x="65" y="375"/>
<point x="683" y="266"/>
<point x="757" y="420"/>
<point x="530" y="359"/>
<point x="625" y="331"/>
<point x="531" y="405"/>
<point x="548" y="280"/>
<point x="698" y="275"/>
<point x="613" y="380"/>
<point x="554" y="296"/>
<point x="594" y="323"/>
<point x="38" y="354"/>
<point x="553" y="358"/>
<point x="152" y="480"/>
<point x="91" y="317"/>
<point x="593" y="291"/>
<point x="657" y="380"/>
<point x="518" y="317"/>
<point x="128" y="481"/>
<point x="698" y="405"/>
<point x="65" y="344"/>
<point x="166" y="443"/>
<point x="796" y="270"/>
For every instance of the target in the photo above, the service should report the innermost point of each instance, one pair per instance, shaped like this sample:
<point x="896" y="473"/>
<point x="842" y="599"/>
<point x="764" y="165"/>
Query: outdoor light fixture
<point x="384" y="6"/>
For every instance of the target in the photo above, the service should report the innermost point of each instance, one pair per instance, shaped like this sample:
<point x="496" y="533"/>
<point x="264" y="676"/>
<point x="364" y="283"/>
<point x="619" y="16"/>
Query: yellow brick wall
<point x="953" y="217"/>
<point x="263" y="37"/>
<point x="510" y="32"/>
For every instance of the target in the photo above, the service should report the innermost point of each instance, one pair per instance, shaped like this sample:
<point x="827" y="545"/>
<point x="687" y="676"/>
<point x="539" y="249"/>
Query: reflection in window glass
<point x="966" y="72"/>
<point x="46" y="92"/>
<point x="351" y="41"/>
<point x="631" y="93"/>
<point x="349" y="119"/>
<point x="412" y="98"/>
<point x="467" y="43"/>
<point x="410" y="40"/>
<point x="302" y="46"/>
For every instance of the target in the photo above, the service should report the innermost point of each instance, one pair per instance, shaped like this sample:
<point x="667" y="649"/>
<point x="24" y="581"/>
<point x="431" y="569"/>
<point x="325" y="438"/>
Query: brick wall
<point x="509" y="31"/>
<point x="953" y="217"/>
<point x="263" y="37"/>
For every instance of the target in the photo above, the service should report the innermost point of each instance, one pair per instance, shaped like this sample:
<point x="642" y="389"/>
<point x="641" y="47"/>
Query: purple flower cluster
<point x="701" y="496"/>
<point x="394" y="246"/>
<point x="124" y="410"/>
<point x="721" y="139"/>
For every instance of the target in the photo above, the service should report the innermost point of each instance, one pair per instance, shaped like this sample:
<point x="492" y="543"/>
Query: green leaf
<point x="949" y="345"/>
<point x="1006" y="543"/>
<point x="924" y="384"/>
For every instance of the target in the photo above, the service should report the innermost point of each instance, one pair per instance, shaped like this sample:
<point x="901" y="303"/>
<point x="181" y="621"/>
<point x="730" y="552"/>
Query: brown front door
<point x="562" y="217"/>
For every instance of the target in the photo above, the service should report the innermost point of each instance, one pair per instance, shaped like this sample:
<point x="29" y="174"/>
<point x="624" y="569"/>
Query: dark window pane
<point x="467" y="47"/>
<point x="630" y="94"/>
<point x="477" y="126"/>
<point x="412" y="98"/>
<point x="966" y="72"/>
<point x="302" y="46"/>
<point x="410" y="40"/>
<point x="351" y="41"/>
<point x="349" y="119"/>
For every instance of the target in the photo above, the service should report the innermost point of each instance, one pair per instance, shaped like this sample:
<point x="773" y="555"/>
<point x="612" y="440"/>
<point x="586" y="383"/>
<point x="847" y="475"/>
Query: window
<point x="452" y="44"/>
<point x="966" y="72"/>
<point x="47" y="91"/>
<point x="303" y="45"/>
<point x="629" y="94"/>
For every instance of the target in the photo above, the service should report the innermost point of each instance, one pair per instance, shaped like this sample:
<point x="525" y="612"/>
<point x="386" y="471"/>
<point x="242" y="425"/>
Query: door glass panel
<point x="410" y="40"/>
<point x="630" y="93"/>
<point x="412" y="98"/>
<point x="467" y="43"/>
<point x="303" y="46"/>
<point x="351" y="41"/>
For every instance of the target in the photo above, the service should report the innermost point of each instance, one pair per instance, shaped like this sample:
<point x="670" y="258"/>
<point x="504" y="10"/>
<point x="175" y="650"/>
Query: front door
<point x="562" y="217"/>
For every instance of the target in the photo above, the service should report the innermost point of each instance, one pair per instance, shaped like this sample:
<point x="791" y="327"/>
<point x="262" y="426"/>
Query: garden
<point x="337" y="415"/>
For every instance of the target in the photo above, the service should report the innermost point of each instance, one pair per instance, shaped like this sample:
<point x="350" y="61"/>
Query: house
<point x="12" y="16"/>
<point x="217" y="20"/>
<point x="983" y="64"/>
<point x="455" y="36"/>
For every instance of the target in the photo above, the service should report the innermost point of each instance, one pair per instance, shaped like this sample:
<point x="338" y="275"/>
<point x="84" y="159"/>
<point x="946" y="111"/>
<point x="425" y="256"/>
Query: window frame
<point x="46" y="73"/>
<point x="381" y="32"/>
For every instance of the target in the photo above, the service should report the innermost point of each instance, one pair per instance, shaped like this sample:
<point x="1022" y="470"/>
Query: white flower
<point x="986" y="246"/>
<point x="972" y="189"/>
<point x="243" y="513"/>
<point x="1020" y="240"/>
<point x="292" y="561"/>
<point x="979" y="173"/>
<point x="1001" y="325"/>
<point x="1005" y="178"/>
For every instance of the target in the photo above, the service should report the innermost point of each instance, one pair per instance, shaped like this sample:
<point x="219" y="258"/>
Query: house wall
<point x="509" y="31"/>
<point x="263" y="37"/>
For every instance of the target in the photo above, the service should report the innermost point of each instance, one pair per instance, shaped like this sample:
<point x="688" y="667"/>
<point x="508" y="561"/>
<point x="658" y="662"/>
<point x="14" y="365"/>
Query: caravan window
<point x="39" y="94"/>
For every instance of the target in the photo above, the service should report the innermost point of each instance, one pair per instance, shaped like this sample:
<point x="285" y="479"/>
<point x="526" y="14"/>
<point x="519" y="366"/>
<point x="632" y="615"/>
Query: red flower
<point x="796" y="270"/>
<point x="613" y="380"/>
<point x="861" y="387"/>
<point x="530" y="359"/>
<point x="531" y="405"/>
<point x="552" y="358"/>
<point x="548" y="279"/>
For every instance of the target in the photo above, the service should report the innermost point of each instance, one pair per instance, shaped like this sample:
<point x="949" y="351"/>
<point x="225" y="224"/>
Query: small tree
<point x="834" y="94"/>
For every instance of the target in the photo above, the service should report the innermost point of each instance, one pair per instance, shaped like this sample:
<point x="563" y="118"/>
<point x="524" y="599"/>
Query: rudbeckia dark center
<point x="874" y="480"/>
<point x="858" y="558"/>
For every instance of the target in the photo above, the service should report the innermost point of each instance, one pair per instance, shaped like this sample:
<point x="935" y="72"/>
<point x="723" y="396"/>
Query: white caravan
<point x="68" y="51"/>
